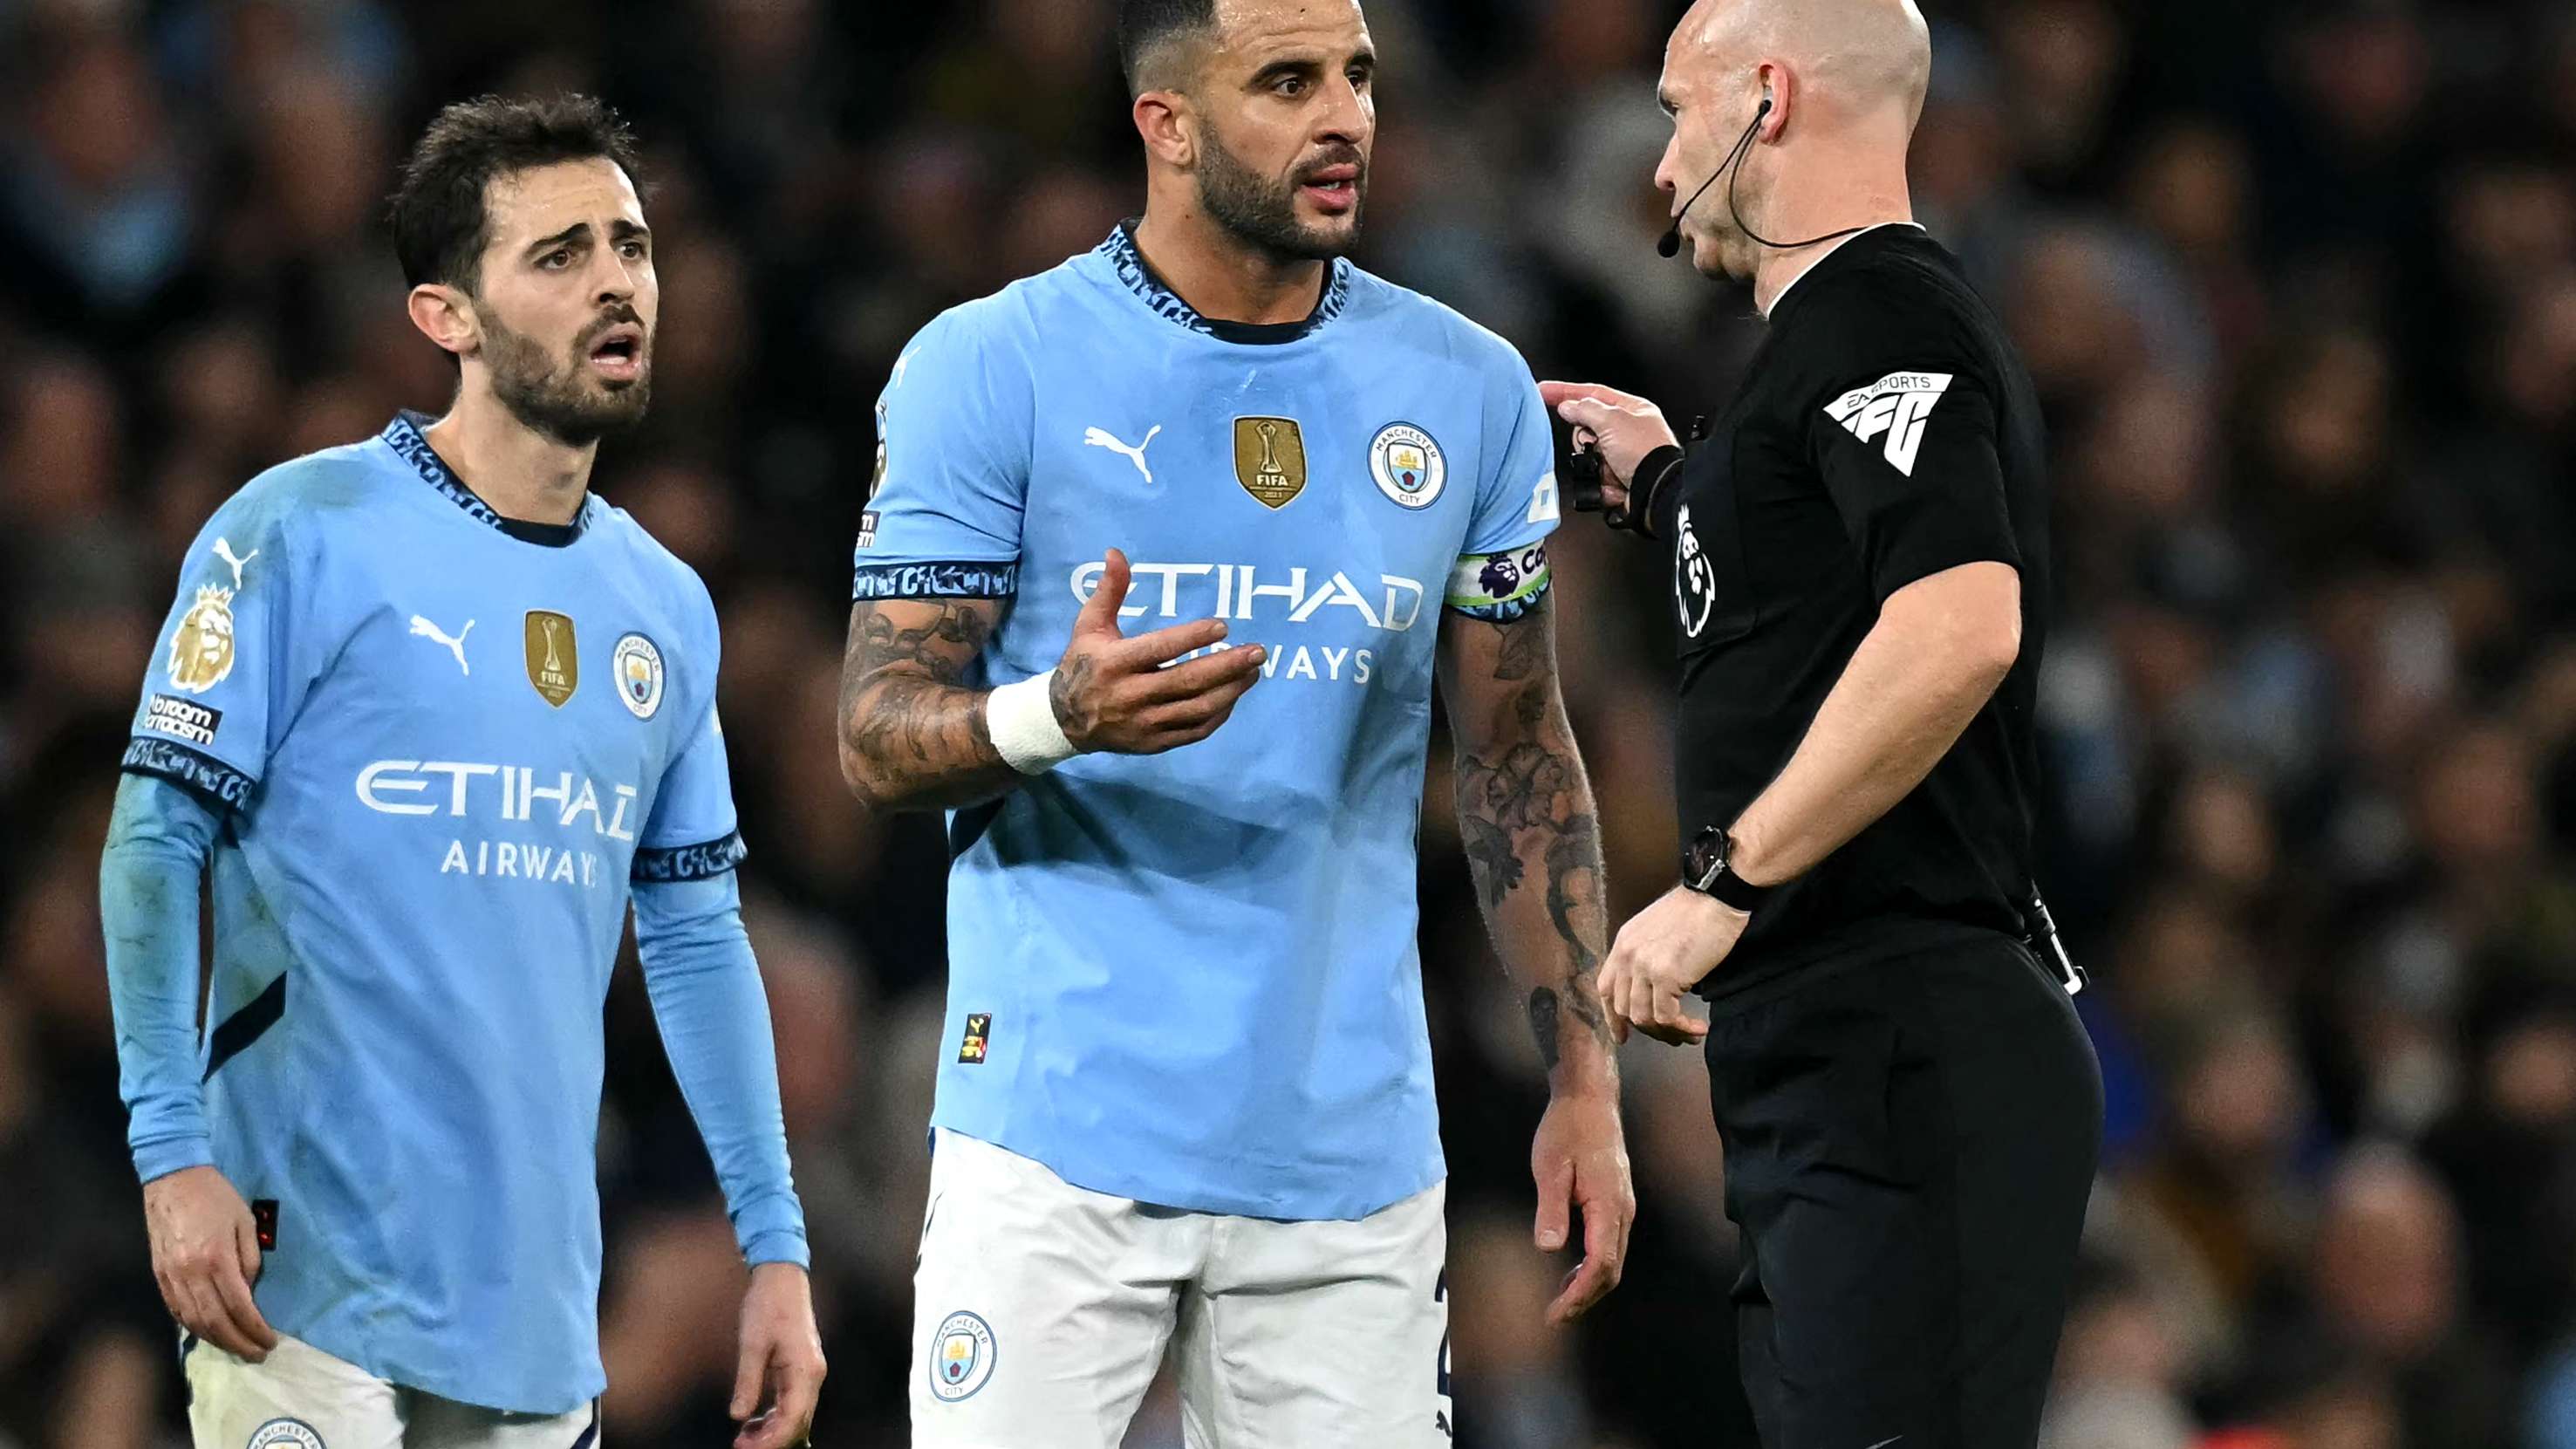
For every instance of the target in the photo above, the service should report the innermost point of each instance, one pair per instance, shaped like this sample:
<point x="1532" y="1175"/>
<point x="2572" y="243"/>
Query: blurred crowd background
<point x="2297" y="283"/>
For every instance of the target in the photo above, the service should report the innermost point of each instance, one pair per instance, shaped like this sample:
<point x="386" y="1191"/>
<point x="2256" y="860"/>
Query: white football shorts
<point x="303" y="1398"/>
<point x="1041" y="1311"/>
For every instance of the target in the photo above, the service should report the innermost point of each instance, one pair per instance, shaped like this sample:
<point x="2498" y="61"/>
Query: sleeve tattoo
<point x="1527" y="818"/>
<point x="913" y="736"/>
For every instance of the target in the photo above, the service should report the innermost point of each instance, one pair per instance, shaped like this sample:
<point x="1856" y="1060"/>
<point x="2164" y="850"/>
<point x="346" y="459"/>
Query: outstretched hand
<point x="1126" y="696"/>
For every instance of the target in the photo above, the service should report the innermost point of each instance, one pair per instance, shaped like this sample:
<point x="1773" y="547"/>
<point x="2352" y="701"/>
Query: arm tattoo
<point x="1542" y="1019"/>
<point x="913" y="736"/>
<point x="1525" y="809"/>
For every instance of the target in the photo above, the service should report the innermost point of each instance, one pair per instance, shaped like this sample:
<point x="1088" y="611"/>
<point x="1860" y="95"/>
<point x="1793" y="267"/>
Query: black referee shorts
<point x="1909" y="1146"/>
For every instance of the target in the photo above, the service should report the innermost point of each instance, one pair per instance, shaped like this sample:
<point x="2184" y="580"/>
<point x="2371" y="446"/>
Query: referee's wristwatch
<point x="1708" y="868"/>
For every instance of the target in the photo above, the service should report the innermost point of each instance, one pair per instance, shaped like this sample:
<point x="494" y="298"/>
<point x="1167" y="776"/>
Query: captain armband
<point x="1499" y="587"/>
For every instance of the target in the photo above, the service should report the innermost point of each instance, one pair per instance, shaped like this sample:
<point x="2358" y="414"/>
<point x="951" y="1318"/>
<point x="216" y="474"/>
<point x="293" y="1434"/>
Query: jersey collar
<point x="1140" y="278"/>
<point x="1827" y="254"/>
<point x="408" y="437"/>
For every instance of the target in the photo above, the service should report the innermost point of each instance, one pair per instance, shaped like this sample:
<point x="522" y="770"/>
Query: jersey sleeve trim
<point x="219" y="785"/>
<point x="960" y="579"/>
<point x="703" y="861"/>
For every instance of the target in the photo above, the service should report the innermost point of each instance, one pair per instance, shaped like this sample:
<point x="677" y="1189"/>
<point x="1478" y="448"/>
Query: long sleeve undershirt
<point x="698" y="969"/>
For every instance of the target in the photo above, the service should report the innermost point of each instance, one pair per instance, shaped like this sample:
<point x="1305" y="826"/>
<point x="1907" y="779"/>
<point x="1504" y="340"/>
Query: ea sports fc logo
<point x="284" y="1434"/>
<point x="961" y="1357"/>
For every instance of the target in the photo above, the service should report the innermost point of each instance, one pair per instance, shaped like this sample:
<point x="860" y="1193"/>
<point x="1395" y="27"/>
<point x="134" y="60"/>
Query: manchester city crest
<point x="1407" y="464"/>
<point x="638" y="665"/>
<point x="961" y="1357"/>
<point x="201" y="649"/>
<point x="284" y="1434"/>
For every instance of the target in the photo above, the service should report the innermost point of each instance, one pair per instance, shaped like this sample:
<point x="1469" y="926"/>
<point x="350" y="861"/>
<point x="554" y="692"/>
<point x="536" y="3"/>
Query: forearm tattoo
<point x="918" y="733"/>
<point x="1525" y="808"/>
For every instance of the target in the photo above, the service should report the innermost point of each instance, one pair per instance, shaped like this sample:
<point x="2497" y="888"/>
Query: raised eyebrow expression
<point x="575" y="240"/>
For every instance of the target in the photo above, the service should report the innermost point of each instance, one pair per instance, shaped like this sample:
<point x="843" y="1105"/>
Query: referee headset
<point x="1671" y="244"/>
<point x="1586" y="462"/>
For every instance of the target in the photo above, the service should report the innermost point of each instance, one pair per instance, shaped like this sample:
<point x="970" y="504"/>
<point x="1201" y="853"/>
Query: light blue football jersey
<point x="447" y="749"/>
<point x="1192" y="978"/>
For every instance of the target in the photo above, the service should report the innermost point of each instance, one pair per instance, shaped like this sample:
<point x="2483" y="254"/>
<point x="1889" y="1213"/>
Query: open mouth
<point x="618" y="353"/>
<point x="1333" y="189"/>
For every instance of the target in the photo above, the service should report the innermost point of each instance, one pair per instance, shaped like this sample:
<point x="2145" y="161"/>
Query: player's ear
<point x="1169" y="127"/>
<point x="445" y="317"/>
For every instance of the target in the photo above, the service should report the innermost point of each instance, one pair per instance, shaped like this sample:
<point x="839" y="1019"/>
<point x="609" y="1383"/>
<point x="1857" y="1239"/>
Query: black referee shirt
<point x="1885" y="432"/>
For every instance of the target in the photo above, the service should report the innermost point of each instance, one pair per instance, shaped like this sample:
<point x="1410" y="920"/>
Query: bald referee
<point x="1911" y="1111"/>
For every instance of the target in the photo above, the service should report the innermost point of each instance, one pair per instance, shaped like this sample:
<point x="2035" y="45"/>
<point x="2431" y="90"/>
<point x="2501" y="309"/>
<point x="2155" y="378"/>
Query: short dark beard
<point x="554" y="400"/>
<point x="1263" y="213"/>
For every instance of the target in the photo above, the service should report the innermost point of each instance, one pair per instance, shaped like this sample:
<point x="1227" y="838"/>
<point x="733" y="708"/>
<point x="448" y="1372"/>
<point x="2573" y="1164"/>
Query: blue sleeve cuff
<point x="777" y="1245"/>
<point x="154" y="1160"/>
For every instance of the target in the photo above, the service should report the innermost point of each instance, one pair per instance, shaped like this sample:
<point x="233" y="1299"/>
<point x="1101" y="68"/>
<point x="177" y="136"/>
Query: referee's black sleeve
<point x="1901" y="423"/>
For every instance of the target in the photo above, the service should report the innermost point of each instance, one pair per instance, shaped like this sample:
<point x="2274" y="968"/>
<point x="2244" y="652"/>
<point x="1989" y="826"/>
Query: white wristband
<point x="1025" y="732"/>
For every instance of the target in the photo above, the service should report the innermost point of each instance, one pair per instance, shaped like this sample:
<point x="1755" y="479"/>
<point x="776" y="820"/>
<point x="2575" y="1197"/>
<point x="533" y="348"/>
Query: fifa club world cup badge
<point x="1270" y="459"/>
<point x="554" y="663"/>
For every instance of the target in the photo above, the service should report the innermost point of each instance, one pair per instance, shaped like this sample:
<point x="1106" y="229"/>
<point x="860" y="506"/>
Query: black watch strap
<point x="1653" y="471"/>
<point x="1707" y="867"/>
<point x="1734" y="890"/>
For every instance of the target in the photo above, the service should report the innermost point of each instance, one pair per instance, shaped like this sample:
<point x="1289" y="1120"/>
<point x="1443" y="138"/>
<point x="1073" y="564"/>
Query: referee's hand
<point x="1661" y="953"/>
<point x="1624" y="427"/>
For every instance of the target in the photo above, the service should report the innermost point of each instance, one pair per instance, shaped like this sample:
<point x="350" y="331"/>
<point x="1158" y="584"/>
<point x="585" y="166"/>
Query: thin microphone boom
<point x="1671" y="242"/>
<point x="1672" y="238"/>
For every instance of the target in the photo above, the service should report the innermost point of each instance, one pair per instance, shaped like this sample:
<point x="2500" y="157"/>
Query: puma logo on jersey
<point x="423" y="629"/>
<point x="1897" y="405"/>
<point x="224" y="551"/>
<point x="1101" y="438"/>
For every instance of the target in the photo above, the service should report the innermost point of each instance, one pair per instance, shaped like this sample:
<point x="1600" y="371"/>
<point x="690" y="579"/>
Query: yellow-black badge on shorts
<point x="979" y="1025"/>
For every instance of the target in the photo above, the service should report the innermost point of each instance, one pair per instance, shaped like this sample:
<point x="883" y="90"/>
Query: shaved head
<point x="1854" y="55"/>
<point x="1845" y="82"/>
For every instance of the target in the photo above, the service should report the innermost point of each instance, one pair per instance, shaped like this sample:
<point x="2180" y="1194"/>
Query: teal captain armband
<point x="1499" y="587"/>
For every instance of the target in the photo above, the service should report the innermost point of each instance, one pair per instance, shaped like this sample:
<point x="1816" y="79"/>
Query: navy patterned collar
<point x="1141" y="279"/>
<point x="408" y="436"/>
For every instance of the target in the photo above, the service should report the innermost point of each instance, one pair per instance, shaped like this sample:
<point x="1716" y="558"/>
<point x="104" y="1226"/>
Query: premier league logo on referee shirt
<point x="961" y="1357"/>
<point x="1408" y="465"/>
